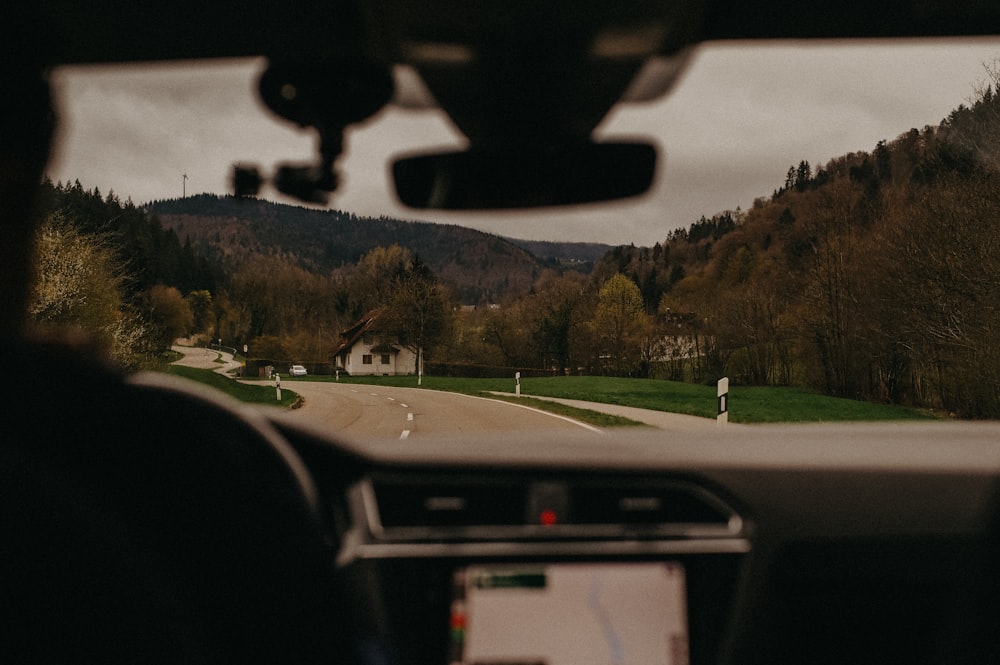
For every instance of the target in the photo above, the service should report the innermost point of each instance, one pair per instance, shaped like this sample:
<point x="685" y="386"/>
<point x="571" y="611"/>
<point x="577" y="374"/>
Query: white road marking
<point x="405" y="434"/>
<point x="403" y="405"/>
<point x="409" y="416"/>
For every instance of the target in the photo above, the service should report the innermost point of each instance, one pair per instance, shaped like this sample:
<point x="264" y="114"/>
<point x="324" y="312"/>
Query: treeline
<point x="149" y="253"/>
<point x="107" y="268"/>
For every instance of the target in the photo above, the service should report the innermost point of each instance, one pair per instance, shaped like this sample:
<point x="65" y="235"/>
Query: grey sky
<point x="740" y="116"/>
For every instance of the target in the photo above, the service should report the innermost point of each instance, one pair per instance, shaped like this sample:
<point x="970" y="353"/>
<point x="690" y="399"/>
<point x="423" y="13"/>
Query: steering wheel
<point x="147" y="522"/>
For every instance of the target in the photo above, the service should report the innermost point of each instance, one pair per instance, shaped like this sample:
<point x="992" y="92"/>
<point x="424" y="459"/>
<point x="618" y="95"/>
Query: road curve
<point x="380" y="411"/>
<point x="205" y="358"/>
<point x="390" y="412"/>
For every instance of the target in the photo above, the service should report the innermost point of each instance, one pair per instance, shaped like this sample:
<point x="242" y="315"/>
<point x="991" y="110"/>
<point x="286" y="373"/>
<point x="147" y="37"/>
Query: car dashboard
<point x="796" y="543"/>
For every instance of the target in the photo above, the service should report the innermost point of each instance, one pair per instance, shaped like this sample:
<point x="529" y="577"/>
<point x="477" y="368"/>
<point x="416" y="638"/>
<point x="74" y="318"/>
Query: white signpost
<point x="517" y="384"/>
<point x="722" y="416"/>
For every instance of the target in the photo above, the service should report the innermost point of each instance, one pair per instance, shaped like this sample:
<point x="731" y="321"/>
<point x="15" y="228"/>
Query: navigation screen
<point x="569" y="614"/>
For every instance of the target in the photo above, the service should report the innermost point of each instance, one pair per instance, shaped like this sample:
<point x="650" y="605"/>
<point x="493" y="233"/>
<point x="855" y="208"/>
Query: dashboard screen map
<point x="569" y="614"/>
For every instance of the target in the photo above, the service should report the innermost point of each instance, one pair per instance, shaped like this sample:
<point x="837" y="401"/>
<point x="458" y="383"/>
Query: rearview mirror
<point x="525" y="178"/>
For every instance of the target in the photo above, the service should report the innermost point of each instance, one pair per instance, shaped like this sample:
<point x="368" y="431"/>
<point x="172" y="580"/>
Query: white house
<point x="363" y="350"/>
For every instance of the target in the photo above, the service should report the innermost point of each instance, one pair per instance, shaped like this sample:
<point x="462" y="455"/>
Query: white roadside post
<point x="277" y="385"/>
<point x="517" y="384"/>
<point x="723" y="393"/>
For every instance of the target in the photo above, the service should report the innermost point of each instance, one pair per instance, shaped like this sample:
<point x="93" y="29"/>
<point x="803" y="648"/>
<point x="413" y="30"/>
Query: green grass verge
<point x="252" y="394"/>
<point x="595" y="418"/>
<point x="746" y="404"/>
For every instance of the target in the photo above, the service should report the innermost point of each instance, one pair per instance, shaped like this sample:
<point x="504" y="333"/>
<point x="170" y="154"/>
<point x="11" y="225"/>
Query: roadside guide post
<point x="517" y="384"/>
<point x="277" y="385"/>
<point x="722" y="416"/>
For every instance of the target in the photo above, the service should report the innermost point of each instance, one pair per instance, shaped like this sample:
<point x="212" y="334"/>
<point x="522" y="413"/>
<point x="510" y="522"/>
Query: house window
<point x="384" y="359"/>
<point x="366" y="359"/>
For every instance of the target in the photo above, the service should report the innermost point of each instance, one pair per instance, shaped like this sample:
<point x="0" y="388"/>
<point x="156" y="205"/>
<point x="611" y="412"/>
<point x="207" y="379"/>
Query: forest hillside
<point x="874" y="276"/>
<point x="478" y="267"/>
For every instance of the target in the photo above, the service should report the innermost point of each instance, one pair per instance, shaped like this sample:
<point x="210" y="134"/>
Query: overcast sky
<point x="727" y="133"/>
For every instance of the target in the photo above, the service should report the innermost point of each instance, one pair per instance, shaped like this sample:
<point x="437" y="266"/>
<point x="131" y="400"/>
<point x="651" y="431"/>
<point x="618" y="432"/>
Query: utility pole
<point x="184" y="183"/>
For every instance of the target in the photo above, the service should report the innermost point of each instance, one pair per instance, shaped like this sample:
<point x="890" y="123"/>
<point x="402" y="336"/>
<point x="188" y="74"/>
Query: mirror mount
<point x="327" y="97"/>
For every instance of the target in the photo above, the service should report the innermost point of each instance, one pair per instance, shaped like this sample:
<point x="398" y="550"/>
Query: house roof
<point x="349" y="337"/>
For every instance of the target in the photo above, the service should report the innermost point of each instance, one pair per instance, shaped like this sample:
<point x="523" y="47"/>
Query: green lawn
<point x="262" y="394"/>
<point x="746" y="405"/>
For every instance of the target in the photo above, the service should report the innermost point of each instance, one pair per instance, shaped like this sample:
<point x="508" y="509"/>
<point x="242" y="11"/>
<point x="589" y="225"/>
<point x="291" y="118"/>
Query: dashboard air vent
<point x="402" y="504"/>
<point x="653" y="506"/>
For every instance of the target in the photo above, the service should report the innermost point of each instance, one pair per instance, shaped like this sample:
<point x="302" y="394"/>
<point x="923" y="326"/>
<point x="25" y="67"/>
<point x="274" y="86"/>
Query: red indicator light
<point x="548" y="517"/>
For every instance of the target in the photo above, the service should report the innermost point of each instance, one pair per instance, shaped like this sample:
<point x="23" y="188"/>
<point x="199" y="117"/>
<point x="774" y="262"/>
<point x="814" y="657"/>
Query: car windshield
<point x="820" y="239"/>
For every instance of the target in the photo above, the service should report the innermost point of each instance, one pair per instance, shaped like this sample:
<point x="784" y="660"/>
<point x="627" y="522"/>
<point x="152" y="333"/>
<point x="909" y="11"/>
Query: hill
<point x="872" y="276"/>
<point x="577" y="255"/>
<point x="478" y="266"/>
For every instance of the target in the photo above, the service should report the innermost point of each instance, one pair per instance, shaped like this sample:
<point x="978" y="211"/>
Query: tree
<point x="832" y="317"/>
<point x="372" y="281"/>
<point x="200" y="303"/>
<point x="79" y="286"/>
<point x="937" y="290"/>
<point x="619" y="322"/>
<point x="554" y="316"/>
<point x="168" y="313"/>
<point x="418" y="313"/>
<point x="269" y="296"/>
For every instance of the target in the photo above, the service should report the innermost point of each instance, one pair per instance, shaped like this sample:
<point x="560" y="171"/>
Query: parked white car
<point x="297" y="370"/>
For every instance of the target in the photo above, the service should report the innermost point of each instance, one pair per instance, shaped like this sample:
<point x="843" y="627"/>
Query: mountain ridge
<point x="478" y="266"/>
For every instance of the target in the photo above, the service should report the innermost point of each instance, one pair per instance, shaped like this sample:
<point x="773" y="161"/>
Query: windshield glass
<point x="822" y="224"/>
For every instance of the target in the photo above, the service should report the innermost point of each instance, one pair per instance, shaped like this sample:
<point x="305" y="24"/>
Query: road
<point x="204" y="358"/>
<point x="365" y="411"/>
<point x="384" y="412"/>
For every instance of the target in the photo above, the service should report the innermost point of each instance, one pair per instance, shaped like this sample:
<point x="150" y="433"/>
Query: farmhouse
<point x="364" y="349"/>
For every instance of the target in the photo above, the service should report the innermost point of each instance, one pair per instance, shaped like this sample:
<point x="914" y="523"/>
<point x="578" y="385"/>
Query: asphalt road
<point x="387" y="412"/>
<point x="204" y="358"/>
<point x="365" y="411"/>
<point x="384" y="412"/>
